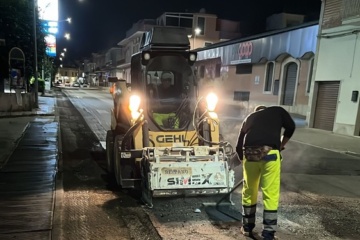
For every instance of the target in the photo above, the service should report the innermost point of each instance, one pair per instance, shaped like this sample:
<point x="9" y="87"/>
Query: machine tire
<point x="117" y="166"/>
<point x="110" y="152"/>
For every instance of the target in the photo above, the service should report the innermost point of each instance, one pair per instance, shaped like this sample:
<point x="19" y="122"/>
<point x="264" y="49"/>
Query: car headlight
<point x="211" y="101"/>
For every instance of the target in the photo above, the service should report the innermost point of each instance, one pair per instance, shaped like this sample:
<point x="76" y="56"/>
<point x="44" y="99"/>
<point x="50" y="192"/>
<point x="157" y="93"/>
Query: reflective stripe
<point x="249" y="214"/>
<point x="270" y="220"/>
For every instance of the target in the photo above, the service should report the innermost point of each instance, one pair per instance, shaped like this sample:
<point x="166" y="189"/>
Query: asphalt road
<point x="319" y="200"/>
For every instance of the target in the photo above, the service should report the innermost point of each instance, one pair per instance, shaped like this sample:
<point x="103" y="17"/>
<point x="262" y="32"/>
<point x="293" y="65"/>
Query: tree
<point x="17" y="28"/>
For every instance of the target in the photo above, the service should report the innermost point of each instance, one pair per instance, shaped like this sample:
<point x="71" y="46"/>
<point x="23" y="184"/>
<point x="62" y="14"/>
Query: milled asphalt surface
<point x="16" y="127"/>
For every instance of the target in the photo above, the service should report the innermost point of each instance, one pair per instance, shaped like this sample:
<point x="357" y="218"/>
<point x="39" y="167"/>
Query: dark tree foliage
<point x="17" y="28"/>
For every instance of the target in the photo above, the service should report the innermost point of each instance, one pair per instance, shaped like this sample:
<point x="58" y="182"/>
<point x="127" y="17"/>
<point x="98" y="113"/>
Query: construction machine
<point x="165" y="140"/>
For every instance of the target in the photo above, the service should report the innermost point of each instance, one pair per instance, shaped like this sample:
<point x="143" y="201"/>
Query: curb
<point x="56" y="232"/>
<point x="353" y="154"/>
<point x="28" y="115"/>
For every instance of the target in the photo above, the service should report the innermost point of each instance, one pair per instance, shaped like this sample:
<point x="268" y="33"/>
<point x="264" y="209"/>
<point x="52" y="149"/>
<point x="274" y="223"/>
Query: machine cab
<point x="162" y="73"/>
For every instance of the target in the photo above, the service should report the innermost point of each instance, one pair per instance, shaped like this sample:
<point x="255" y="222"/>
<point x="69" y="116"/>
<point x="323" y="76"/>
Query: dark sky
<point x="99" y="24"/>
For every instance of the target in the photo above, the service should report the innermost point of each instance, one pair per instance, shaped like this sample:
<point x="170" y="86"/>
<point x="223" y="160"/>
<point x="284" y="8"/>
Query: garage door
<point x="326" y="104"/>
<point x="290" y="83"/>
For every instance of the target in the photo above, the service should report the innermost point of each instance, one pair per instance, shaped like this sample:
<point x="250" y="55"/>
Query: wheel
<point x="117" y="166"/>
<point x="110" y="151"/>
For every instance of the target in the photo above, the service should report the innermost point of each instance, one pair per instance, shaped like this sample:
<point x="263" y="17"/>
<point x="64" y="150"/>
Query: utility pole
<point x="35" y="58"/>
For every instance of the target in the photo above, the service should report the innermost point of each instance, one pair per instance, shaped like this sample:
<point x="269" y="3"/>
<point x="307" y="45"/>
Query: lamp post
<point x="197" y="31"/>
<point x="35" y="59"/>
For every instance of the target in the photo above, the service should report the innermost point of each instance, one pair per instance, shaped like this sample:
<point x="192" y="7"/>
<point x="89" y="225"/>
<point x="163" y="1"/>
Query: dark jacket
<point x="264" y="128"/>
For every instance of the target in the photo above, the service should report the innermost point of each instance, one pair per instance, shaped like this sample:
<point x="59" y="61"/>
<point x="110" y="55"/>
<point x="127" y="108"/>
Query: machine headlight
<point x="192" y="57"/>
<point x="134" y="104"/>
<point x="211" y="101"/>
<point x="147" y="56"/>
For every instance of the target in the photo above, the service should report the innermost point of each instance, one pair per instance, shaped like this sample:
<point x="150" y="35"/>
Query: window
<point x="65" y="74"/>
<point x="201" y="24"/>
<point x="244" y="69"/>
<point x="310" y="76"/>
<point x="241" y="96"/>
<point x="276" y="87"/>
<point x="217" y="70"/>
<point x="186" y="23"/>
<point x="269" y="76"/>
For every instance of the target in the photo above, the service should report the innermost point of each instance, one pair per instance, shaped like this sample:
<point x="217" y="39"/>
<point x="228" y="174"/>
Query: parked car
<point x="76" y="84"/>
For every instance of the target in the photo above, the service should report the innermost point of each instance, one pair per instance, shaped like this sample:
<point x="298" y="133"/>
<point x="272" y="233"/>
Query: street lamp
<point x="197" y="31"/>
<point x="67" y="36"/>
<point x="35" y="59"/>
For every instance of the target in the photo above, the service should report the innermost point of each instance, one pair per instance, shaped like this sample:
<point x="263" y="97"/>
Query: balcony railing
<point x="350" y="9"/>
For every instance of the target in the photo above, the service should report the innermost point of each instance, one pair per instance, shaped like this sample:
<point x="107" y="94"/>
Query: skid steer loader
<point x="166" y="141"/>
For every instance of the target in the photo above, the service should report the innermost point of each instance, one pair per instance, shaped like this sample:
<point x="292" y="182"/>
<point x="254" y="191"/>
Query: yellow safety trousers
<point x="265" y="173"/>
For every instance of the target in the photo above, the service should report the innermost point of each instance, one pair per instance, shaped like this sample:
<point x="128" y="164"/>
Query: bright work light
<point x="211" y="101"/>
<point x="134" y="103"/>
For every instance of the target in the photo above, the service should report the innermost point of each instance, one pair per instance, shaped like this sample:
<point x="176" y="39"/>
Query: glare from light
<point x="60" y="59"/>
<point x="211" y="101"/>
<point x="65" y="49"/>
<point x="67" y="36"/>
<point x="134" y="103"/>
<point x="197" y="31"/>
<point x="68" y="20"/>
<point x="62" y="54"/>
<point x="61" y="65"/>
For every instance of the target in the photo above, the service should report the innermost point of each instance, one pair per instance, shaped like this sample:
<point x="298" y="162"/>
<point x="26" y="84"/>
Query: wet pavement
<point x="28" y="166"/>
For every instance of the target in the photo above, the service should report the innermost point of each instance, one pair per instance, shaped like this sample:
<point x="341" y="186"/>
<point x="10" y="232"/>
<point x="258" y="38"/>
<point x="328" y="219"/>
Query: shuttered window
<point x="290" y="84"/>
<point x="269" y="76"/>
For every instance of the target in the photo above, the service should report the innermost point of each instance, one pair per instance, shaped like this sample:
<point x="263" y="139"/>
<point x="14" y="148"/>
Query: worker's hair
<point x="259" y="107"/>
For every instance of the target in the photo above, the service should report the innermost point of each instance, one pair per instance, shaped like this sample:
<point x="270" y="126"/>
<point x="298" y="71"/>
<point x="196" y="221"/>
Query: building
<point x="283" y="20"/>
<point x="334" y="102"/>
<point x="67" y="75"/>
<point x="203" y="29"/>
<point x="273" y="68"/>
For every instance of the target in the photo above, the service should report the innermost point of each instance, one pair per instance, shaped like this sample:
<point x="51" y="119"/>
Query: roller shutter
<point x="326" y="104"/>
<point x="290" y="83"/>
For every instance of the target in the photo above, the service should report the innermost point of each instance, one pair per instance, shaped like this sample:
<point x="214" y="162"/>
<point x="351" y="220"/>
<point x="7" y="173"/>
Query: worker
<point x="166" y="89"/>
<point x="259" y="145"/>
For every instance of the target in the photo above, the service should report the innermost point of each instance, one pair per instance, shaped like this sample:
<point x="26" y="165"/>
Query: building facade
<point x="203" y="29"/>
<point x="274" y="68"/>
<point x="67" y="75"/>
<point x="334" y="102"/>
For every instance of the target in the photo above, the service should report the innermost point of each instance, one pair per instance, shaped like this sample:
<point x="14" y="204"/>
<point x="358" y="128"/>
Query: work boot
<point x="268" y="235"/>
<point x="246" y="229"/>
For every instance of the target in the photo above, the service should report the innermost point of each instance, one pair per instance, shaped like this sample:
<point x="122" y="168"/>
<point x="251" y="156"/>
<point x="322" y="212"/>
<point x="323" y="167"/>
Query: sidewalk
<point x="28" y="170"/>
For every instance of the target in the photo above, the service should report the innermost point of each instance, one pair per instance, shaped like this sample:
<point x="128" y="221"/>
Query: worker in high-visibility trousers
<point x="259" y="145"/>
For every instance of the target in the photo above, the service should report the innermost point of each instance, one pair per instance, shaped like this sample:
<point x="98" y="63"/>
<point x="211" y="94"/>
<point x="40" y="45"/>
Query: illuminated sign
<point x="49" y="16"/>
<point x="48" y="10"/>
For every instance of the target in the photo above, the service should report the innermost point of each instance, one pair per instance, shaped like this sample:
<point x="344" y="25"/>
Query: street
<point x="319" y="199"/>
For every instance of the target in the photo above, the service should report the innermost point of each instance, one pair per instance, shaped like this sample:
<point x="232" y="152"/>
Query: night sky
<point x="100" y="24"/>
